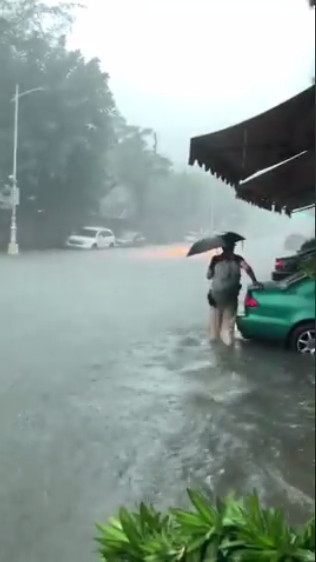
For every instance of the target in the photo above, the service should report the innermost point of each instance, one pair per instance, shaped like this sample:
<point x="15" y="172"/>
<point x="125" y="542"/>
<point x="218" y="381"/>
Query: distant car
<point x="91" y="238"/>
<point x="131" y="240"/>
<point x="288" y="265"/>
<point x="282" y="312"/>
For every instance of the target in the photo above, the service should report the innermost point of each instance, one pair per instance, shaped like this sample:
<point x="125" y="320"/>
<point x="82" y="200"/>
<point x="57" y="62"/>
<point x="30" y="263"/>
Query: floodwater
<point x="110" y="394"/>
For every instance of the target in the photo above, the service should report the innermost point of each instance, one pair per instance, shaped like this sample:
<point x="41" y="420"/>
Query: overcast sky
<point x="187" y="67"/>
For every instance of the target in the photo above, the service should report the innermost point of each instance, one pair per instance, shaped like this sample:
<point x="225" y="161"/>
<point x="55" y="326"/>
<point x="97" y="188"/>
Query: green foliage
<point x="65" y="131"/>
<point x="136" y="163"/>
<point x="308" y="245"/>
<point x="22" y="19"/>
<point x="229" y="530"/>
<point x="74" y="146"/>
<point x="307" y="266"/>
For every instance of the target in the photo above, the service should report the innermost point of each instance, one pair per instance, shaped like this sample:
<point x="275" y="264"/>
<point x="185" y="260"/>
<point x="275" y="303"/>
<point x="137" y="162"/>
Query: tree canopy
<point x="74" y="145"/>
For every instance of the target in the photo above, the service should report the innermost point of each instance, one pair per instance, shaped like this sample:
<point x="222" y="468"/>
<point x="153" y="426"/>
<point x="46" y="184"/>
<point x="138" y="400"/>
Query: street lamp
<point x="13" y="248"/>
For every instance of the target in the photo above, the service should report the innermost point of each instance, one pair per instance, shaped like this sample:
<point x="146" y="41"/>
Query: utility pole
<point x="155" y="142"/>
<point x="13" y="248"/>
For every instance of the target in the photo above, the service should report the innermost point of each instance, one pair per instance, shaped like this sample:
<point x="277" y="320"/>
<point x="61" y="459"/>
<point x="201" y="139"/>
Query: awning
<point x="238" y="152"/>
<point x="288" y="186"/>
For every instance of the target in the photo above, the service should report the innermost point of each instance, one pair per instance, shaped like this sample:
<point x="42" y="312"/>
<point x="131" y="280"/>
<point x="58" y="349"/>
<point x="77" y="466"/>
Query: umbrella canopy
<point x="232" y="238"/>
<point x="214" y="242"/>
<point x="205" y="245"/>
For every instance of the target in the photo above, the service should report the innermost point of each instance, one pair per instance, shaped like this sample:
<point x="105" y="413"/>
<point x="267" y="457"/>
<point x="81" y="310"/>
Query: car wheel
<point x="94" y="247"/>
<point x="303" y="339"/>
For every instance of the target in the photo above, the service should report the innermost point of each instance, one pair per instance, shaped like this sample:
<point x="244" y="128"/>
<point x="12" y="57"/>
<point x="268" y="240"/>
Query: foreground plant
<point x="228" y="530"/>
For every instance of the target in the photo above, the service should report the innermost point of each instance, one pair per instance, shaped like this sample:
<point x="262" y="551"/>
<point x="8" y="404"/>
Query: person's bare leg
<point x="228" y="325"/>
<point x="215" y="323"/>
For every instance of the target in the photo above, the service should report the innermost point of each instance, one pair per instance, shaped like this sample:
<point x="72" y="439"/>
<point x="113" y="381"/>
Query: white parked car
<point x="91" y="238"/>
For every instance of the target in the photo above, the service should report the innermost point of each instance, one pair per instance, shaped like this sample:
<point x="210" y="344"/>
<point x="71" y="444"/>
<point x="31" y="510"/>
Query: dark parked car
<point x="131" y="240"/>
<point x="286" y="266"/>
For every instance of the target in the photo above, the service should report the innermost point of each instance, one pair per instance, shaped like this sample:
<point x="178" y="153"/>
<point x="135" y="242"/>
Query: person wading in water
<point x="225" y="274"/>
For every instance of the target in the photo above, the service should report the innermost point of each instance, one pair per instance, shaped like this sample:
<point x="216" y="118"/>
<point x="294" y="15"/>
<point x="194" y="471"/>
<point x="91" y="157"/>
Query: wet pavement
<point x="111" y="394"/>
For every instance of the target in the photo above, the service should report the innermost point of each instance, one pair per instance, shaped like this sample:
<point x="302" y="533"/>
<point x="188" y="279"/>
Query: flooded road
<point x="111" y="394"/>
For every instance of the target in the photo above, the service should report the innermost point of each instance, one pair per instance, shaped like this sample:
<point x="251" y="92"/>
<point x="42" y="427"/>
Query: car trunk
<point x="267" y="286"/>
<point x="253" y="295"/>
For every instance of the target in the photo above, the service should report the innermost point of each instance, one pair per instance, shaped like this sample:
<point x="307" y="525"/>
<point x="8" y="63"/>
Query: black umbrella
<point x="211" y="243"/>
<point x="232" y="237"/>
<point x="205" y="245"/>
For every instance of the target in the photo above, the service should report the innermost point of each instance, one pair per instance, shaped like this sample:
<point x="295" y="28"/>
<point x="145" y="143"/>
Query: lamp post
<point x="13" y="248"/>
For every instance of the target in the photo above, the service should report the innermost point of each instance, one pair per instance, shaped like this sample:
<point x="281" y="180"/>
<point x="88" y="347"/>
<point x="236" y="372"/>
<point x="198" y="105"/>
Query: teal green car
<point x="282" y="312"/>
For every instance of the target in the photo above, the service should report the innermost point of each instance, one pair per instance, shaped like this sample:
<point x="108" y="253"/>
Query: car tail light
<point x="279" y="264"/>
<point x="251" y="302"/>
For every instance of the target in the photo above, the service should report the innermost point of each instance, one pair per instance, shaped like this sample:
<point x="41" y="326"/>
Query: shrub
<point x="308" y="245"/>
<point x="229" y="530"/>
<point x="307" y="266"/>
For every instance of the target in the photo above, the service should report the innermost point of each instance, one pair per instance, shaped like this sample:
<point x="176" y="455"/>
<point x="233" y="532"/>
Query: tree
<point x="74" y="146"/>
<point x="22" y="19"/>
<point x="137" y="164"/>
<point x="65" y="131"/>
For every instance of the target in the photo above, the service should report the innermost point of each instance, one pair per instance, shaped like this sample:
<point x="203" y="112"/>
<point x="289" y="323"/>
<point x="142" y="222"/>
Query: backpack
<point x="226" y="281"/>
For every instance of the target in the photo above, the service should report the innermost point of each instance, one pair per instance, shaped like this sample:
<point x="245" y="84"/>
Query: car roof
<point x="96" y="228"/>
<point x="297" y="254"/>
